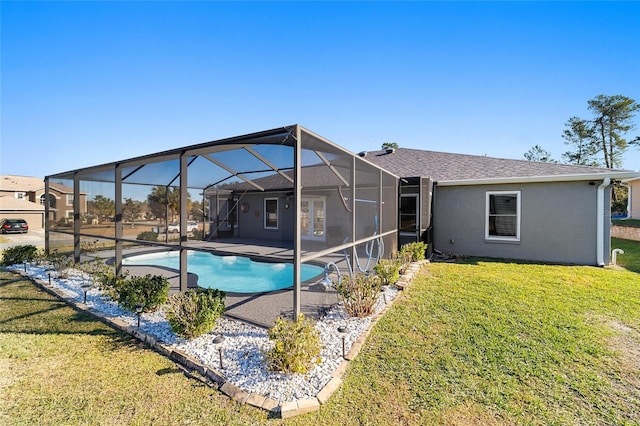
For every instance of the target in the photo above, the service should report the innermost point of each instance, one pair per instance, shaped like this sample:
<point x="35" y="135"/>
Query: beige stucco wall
<point x="634" y="209"/>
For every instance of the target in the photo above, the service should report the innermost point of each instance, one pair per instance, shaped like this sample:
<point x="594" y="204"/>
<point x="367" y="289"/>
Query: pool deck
<point x="261" y="309"/>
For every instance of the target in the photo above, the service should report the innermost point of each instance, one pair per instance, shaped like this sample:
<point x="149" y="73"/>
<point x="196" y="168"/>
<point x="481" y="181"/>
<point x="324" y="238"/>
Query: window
<point x="20" y="195"/>
<point x="503" y="216"/>
<point x="271" y="213"/>
<point x="69" y="199"/>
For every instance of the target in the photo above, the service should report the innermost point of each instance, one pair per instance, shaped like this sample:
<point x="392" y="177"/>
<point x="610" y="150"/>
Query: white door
<point x="312" y="218"/>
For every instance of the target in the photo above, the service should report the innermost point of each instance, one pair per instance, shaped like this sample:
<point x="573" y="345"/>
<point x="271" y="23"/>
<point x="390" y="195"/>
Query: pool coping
<point x="194" y="369"/>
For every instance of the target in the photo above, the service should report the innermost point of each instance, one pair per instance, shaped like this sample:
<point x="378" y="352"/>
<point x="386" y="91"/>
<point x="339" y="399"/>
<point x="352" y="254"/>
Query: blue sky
<point x="85" y="83"/>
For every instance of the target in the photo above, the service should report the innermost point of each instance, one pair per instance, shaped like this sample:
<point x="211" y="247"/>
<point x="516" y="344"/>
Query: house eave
<point x="540" y="179"/>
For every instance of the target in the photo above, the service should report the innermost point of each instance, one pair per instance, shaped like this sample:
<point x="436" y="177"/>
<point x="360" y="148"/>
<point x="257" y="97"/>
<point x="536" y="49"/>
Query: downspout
<point x="600" y="221"/>
<point x="432" y="247"/>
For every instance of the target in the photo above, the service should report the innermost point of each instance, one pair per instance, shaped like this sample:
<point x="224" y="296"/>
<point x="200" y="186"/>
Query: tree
<point x="390" y="145"/>
<point x="580" y="134"/>
<point x="131" y="209"/>
<point x="601" y="140"/>
<point x="197" y="211"/>
<point x="162" y="199"/>
<point x="613" y="119"/>
<point x="102" y="207"/>
<point x="538" y="153"/>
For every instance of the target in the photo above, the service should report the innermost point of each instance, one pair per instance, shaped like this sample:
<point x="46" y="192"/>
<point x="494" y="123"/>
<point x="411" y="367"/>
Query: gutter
<point x="549" y="178"/>
<point x="600" y="209"/>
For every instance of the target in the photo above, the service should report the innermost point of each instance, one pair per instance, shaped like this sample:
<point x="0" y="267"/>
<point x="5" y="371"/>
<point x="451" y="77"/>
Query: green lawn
<point x="481" y="342"/>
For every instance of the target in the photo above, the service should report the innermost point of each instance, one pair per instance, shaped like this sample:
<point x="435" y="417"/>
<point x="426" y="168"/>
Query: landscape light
<point x="138" y="307"/>
<point x="217" y="342"/>
<point x="86" y="288"/>
<point x="342" y="330"/>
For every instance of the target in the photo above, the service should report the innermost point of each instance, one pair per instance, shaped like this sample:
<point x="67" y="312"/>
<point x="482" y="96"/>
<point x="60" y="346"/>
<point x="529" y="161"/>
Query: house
<point x="314" y="201"/>
<point x="24" y="197"/>
<point x="633" y="205"/>
<point x="513" y="209"/>
<point x="463" y="205"/>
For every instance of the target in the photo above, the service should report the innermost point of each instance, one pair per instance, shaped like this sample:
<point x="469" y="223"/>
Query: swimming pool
<point x="232" y="274"/>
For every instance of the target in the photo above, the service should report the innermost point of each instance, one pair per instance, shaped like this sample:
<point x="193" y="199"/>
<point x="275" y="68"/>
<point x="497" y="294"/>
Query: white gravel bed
<point x="243" y="362"/>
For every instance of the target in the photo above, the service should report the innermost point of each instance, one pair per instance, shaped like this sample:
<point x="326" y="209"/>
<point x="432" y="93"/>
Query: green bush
<point x="63" y="222"/>
<point x="194" y="312"/>
<point x="388" y="270"/>
<point x="197" y="234"/>
<point x="416" y="249"/>
<point x="148" y="236"/>
<point x="19" y="254"/>
<point x="60" y="262"/>
<point x="359" y="294"/>
<point x="151" y="291"/>
<point x="89" y="246"/>
<point x="296" y="346"/>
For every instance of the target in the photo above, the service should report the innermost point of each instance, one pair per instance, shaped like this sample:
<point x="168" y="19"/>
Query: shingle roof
<point x="20" y="183"/>
<point x="9" y="203"/>
<point x="442" y="166"/>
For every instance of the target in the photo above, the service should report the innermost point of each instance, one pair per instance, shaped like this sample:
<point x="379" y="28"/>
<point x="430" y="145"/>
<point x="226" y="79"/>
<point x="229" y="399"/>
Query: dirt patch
<point x="626" y="343"/>
<point x="471" y="414"/>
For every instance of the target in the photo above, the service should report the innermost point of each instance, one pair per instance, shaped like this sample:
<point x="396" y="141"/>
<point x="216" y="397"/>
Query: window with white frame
<point x="271" y="213"/>
<point x="20" y="195"/>
<point x="503" y="216"/>
<point x="69" y="199"/>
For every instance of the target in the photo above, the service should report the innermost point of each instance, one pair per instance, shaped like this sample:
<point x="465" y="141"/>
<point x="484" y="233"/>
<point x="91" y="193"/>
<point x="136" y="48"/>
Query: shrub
<point x="63" y="222"/>
<point x="194" y="312"/>
<point x="197" y="234"/>
<point x="296" y="346"/>
<point x="416" y="249"/>
<point x="148" y="236"/>
<point x="359" y="294"/>
<point x="89" y="246"/>
<point x="60" y="262"/>
<point x="388" y="270"/>
<point x="151" y="291"/>
<point x="19" y="254"/>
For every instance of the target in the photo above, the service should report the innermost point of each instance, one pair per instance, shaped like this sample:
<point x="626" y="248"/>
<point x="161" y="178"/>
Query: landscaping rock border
<point x="196" y="370"/>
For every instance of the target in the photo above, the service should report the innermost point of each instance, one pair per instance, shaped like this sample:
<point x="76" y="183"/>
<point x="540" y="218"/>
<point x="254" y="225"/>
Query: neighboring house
<point x="633" y="205"/>
<point x="24" y="197"/>
<point x="20" y="198"/>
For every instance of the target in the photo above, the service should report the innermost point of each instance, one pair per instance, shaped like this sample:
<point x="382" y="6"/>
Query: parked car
<point x="175" y="227"/>
<point x="14" y="225"/>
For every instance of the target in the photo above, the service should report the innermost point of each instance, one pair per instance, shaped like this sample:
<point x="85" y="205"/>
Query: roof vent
<point x="390" y="150"/>
<point x="362" y="153"/>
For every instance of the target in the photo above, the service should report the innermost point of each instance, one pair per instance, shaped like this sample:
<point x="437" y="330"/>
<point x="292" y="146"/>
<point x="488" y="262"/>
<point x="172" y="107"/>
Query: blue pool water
<point x="233" y="274"/>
